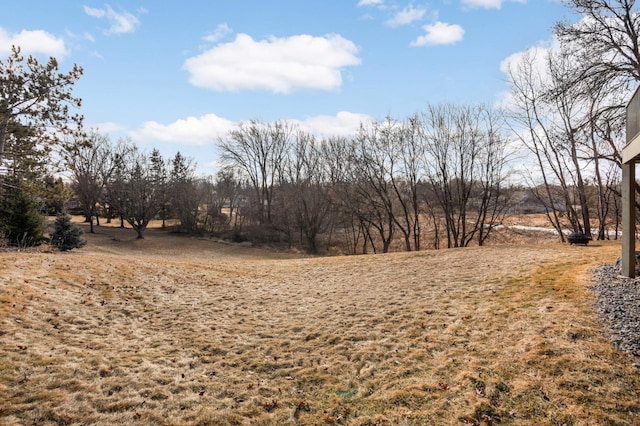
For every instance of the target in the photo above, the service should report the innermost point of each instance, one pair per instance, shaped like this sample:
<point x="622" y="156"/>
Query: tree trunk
<point x="584" y="207"/>
<point x="4" y="124"/>
<point x="90" y="217"/>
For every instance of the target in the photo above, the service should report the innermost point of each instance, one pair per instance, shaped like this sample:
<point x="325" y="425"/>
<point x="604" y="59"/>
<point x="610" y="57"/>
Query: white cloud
<point x="406" y="16"/>
<point x="32" y="43"/>
<point x="120" y="23"/>
<point x="280" y="65"/>
<point x="439" y="33"/>
<point x="204" y="130"/>
<point x="539" y="53"/>
<point x="484" y="4"/>
<point x="96" y="13"/>
<point x="535" y="56"/>
<point x="370" y="2"/>
<point x="342" y="124"/>
<point x="107" y="127"/>
<point x="488" y="4"/>
<point x="207" y="129"/>
<point x="221" y="31"/>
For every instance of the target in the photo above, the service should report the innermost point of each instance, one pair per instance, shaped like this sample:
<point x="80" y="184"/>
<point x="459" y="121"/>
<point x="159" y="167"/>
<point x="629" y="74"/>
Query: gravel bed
<point x="618" y="301"/>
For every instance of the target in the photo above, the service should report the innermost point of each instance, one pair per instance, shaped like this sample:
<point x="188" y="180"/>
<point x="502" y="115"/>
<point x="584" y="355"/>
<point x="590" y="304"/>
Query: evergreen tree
<point x="160" y="176"/>
<point x="34" y="111"/>
<point x="25" y="155"/>
<point x="20" y="220"/>
<point x="54" y="194"/>
<point x="37" y="95"/>
<point x="67" y="235"/>
<point x="134" y="192"/>
<point x="184" y="199"/>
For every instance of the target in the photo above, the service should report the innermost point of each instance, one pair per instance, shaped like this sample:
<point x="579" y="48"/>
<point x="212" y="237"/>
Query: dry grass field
<point x="175" y="330"/>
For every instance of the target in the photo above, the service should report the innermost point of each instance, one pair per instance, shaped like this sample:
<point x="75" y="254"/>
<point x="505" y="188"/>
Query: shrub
<point x="67" y="235"/>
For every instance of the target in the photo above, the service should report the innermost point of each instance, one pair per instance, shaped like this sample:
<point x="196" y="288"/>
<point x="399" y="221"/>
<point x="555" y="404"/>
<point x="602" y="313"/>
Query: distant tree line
<point x="439" y="173"/>
<point x="443" y="177"/>
<point x="118" y="181"/>
<point x="444" y="170"/>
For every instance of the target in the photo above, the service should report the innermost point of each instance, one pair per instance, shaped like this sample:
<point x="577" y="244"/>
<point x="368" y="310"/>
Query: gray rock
<point x="618" y="302"/>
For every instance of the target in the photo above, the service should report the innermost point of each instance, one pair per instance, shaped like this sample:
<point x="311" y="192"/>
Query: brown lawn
<point x="175" y="330"/>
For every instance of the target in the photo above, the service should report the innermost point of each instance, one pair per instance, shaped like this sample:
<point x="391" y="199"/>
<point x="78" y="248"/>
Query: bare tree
<point x="228" y="190"/>
<point x="568" y="108"/>
<point x="390" y="156"/>
<point x="604" y="42"/>
<point x="207" y="216"/>
<point x="338" y="158"/>
<point x="90" y="160"/>
<point x="604" y="139"/>
<point x="605" y="65"/>
<point x="305" y="189"/>
<point x="405" y="179"/>
<point x="465" y="169"/>
<point x="372" y="163"/>
<point x="258" y="150"/>
<point x="572" y="123"/>
<point x="531" y="123"/>
<point x="492" y="197"/>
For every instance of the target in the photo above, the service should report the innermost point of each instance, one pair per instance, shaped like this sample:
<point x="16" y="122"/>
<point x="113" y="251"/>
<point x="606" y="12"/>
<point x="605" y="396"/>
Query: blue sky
<point x="179" y="75"/>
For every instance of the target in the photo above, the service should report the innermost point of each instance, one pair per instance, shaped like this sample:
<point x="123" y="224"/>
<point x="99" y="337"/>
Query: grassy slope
<point x="172" y="330"/>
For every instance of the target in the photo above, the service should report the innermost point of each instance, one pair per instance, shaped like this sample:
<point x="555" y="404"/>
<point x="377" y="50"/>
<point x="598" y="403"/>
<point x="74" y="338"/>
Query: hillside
<point x="177" y="330"/>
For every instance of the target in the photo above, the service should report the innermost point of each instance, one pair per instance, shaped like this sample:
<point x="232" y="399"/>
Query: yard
<point x="177" y="330"/>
